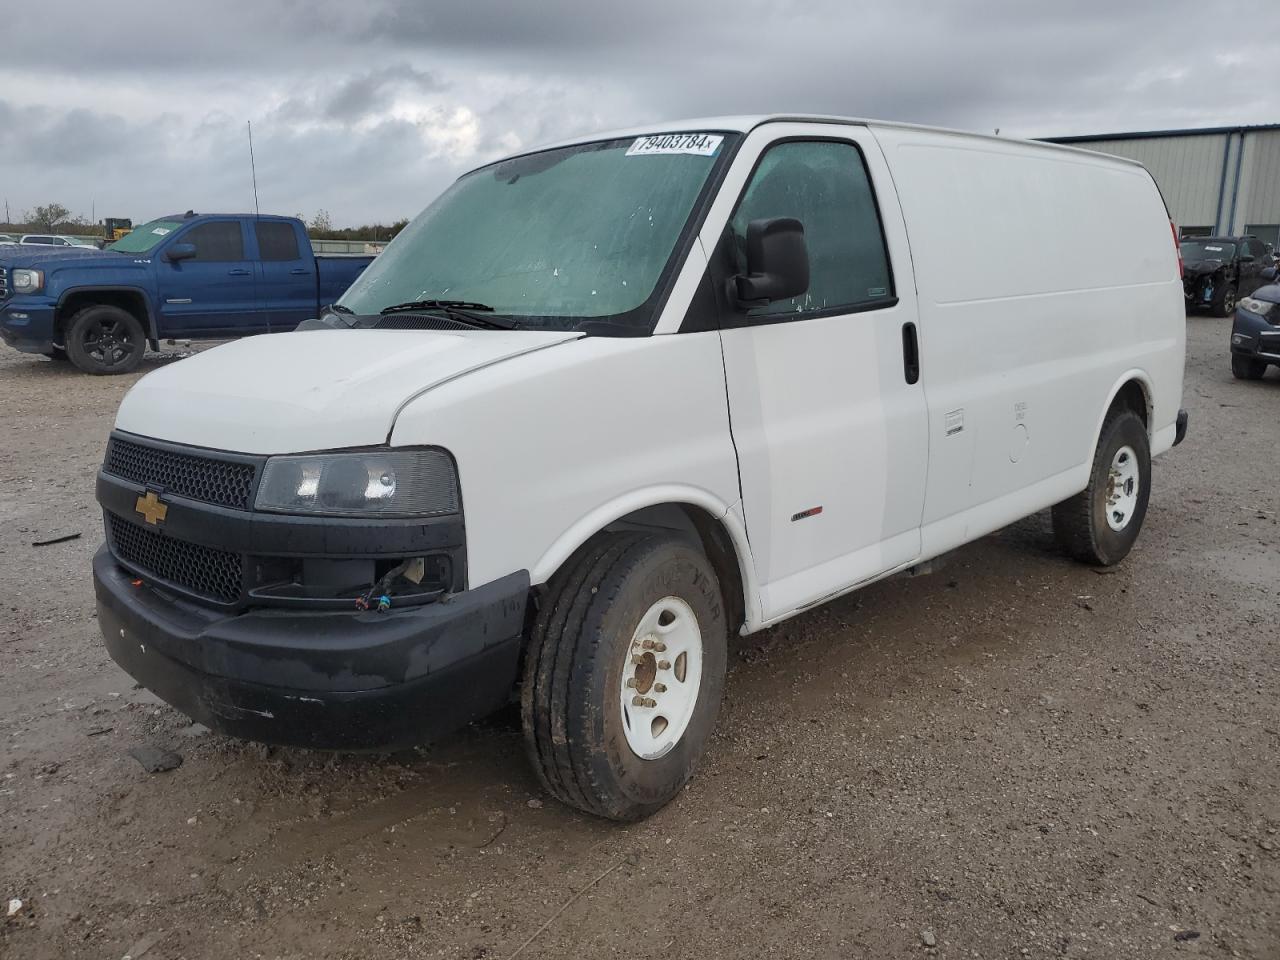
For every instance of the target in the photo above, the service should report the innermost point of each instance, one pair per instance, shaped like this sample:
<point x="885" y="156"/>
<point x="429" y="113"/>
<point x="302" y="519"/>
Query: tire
<point x="1247" y="368"/>
<point x="1225" y="305"/>
<point x="1082" y="523"/>
<point x="105" y="340"/>
<point x="585" y="645"/>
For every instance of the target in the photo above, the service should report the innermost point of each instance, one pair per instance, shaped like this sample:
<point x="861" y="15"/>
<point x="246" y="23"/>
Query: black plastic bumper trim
<point x="342" y="681"/>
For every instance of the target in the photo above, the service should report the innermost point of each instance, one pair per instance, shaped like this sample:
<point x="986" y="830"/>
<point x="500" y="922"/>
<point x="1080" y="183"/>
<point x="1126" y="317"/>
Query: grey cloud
<point x="367" y="109"/>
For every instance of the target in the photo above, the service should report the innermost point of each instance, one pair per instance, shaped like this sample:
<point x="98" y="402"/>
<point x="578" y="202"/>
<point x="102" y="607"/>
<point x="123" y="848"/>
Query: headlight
<point x="27" y="281"/>
<point x="1253" y="305"/>
<point x="395" y="483"/>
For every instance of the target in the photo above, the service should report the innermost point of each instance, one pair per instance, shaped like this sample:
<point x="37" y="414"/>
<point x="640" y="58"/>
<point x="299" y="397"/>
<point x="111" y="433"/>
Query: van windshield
<point x="555" y="238"/>
<point x="146" y="237"/>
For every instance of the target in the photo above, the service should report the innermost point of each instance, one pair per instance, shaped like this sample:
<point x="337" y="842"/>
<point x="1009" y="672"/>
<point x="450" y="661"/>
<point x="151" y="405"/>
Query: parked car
<point x="1218" y="271"/>
<point x="603" y="405"/>
<point x="7" y="238"/>
<point x="48" y="240"/>
<point x="190" y="276"/>
<point x="1255" y="335"/>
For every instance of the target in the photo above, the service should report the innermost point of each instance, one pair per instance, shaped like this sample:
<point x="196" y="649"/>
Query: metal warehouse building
<point x="1219" y="180"/>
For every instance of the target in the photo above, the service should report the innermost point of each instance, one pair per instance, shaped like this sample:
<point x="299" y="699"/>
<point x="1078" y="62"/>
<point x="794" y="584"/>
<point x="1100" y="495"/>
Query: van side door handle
<point x="299" y="271"/>
<point x="238" y="272"/>
<point x="910" y="353"/>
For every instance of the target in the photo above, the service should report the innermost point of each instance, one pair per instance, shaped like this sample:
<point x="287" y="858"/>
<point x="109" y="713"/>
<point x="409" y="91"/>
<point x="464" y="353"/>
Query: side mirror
<point x="179" y="252"/>
<point x="777" y="263"/>
<point x="1246" y="258"/>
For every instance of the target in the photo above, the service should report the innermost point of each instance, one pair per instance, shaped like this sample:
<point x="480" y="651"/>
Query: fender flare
<point x="152" y="332"/>
<point x="591" y="523"/>
<point x="1148" y="392"/>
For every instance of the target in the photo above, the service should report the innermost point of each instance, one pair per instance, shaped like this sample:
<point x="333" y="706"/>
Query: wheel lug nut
<point x="659" y="646"/>
<point x="660" y="688"/>
<point x="631" y="681"/>
<point x="647" y="644"/>
<point x="638" y="701"/>
<point x="664" y="664"/>
<point x="637" y="659"/>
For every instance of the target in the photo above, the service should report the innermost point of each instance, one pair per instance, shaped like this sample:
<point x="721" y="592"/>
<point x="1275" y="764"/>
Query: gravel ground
<point x="1014" y="757"/>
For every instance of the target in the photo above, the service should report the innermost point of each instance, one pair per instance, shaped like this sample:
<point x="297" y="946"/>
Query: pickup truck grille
<point x="213" y="574"/>
<point x="225" y="483"/>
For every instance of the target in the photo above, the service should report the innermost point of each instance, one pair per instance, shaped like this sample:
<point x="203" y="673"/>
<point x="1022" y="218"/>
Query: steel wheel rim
<point x="107" y="342"/>
<point x="1124" y="482"/>
<point x="1229" y="302"/>
<point x="660" y="681"/>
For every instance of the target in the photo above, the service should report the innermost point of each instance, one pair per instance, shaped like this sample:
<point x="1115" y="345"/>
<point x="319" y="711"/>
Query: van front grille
<point x="225" y="483"/>
<point x="208" y="573"/>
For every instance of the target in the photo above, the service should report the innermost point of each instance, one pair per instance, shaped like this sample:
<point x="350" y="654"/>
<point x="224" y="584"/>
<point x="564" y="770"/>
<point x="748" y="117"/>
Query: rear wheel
<point x="104" y="339"/>
<point x="1225" y="305"/>
<point x="624" y="675"/>
<point x="1247" y="368"/>
<point x="1100" y="524"/>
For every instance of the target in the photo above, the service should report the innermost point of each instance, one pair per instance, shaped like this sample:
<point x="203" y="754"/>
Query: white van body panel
<point x="553" y="445"/>
<point x="1046" y="281"/>
<point x="314" y="390"/>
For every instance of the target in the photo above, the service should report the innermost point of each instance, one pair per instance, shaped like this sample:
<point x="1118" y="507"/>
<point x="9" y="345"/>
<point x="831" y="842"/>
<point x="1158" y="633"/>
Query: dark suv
<point x="1218" y="271"/>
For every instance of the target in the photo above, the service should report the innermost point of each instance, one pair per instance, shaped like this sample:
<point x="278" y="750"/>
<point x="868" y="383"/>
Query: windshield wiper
<point x="459" y="310"/>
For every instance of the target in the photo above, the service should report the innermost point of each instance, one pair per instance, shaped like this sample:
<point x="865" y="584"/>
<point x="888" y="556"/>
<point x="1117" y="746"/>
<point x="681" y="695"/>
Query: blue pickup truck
<point x="190" y="276"/>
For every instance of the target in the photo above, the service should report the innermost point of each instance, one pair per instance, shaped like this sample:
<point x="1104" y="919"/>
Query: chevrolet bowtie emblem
<point x="152" y="510"/>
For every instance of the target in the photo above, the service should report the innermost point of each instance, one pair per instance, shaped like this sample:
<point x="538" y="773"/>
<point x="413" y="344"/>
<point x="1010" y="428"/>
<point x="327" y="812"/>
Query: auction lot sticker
<point x="700" y="144"/>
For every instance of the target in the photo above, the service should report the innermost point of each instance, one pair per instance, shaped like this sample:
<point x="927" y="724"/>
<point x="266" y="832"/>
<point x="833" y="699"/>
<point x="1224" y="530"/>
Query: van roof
<point x="747" y="123"/>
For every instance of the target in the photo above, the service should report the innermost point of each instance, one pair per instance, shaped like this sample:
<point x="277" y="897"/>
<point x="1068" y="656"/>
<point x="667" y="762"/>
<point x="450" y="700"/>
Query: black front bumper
<point x="323" y="679"/>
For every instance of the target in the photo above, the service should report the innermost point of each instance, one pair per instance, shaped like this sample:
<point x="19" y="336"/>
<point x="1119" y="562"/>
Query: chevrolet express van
<point x="606" y="403"/>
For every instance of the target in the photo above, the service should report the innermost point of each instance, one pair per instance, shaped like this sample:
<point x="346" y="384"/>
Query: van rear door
<point x="828" y="411"/>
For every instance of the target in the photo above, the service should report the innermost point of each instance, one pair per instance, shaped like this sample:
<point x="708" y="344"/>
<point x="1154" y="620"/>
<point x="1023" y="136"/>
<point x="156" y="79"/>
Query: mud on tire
<point x="580" y="645"/>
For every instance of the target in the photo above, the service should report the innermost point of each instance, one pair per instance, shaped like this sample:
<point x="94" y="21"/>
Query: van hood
<point x="311" y="390"/>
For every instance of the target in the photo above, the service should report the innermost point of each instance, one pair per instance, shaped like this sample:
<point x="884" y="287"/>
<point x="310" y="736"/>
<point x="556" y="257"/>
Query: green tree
<point x="49" y="215"/>
<point x="321" y="222"/>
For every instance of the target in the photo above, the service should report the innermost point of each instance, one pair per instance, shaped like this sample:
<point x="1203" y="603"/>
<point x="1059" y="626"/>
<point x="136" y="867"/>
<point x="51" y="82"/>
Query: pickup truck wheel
<point x="624" y="674"/>
<point x="1225" y="305"/>
<point x="105" y="339"/>
<point x="1100" y="524"/>
<point x="1247" y="368"/>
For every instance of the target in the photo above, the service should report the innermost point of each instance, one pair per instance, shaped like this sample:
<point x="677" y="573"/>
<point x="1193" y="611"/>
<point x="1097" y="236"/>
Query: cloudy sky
<point x="368" y="108"/>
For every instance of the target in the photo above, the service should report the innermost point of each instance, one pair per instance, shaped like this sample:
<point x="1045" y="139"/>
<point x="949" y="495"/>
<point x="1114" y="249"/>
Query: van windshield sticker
<point x="1214" y="249"/>
<point x="160" y="231"/>
<point x="700" y="144"/>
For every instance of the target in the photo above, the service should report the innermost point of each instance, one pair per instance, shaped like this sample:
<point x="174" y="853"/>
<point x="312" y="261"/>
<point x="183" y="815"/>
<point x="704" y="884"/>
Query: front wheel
<point x="105" y="339"/>
<point x="1247" y="368"/>
<point x="624" y="674"/>
<point x="1100" y="524"/>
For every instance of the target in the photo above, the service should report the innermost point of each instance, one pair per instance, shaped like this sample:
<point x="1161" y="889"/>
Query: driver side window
<point x="824" y="185"/>
<point x="218" y="241"/>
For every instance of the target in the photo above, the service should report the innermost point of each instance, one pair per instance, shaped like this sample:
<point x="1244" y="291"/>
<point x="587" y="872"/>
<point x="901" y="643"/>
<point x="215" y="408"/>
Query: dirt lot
<point x="1017" y="756"/>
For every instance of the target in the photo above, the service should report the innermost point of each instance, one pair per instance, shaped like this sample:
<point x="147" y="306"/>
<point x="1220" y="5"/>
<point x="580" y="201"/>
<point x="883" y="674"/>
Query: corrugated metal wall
<point x="1220" y="180"/>
<point x="1188" y="170"/>
<point x="1260" y="180"/>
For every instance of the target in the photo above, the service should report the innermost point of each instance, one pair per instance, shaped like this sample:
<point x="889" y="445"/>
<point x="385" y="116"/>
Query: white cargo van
<point x="604" y="404"/>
